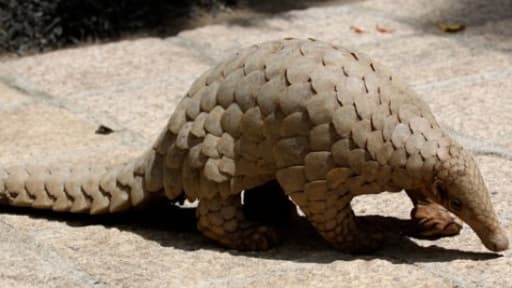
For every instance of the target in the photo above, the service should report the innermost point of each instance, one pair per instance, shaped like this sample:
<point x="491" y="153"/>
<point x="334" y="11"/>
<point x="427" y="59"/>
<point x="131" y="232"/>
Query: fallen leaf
<point x="383" y="29"/>
<point x="450" y="27"/>
<point x="357" y="30"/>
<point x="104" y="130"/>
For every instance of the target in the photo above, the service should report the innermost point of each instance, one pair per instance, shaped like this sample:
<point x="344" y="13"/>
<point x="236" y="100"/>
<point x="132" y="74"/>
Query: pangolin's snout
<point x="496" y="241"/>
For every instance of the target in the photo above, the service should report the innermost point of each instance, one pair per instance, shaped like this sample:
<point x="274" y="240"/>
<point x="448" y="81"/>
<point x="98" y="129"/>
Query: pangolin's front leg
<point x="332" y="216"/>
<point x="431" y="219"/>
<point x="326" y="205"/>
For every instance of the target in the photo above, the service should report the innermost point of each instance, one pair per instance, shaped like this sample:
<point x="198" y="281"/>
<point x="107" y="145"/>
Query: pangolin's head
<point x="459" y="187"/>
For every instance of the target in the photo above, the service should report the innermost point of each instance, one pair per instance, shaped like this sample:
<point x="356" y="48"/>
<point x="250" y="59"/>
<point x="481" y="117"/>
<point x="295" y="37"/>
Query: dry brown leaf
<point x="357" y="30"/>
<point x="381" y="29"/>
<point x="450" y="27"/>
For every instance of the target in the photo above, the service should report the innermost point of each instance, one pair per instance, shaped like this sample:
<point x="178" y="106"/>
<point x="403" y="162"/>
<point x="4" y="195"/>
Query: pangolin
<point x="323" y="122"/>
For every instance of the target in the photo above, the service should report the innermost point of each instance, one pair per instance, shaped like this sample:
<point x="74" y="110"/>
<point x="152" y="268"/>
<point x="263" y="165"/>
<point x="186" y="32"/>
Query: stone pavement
<point x="51" y="104"/>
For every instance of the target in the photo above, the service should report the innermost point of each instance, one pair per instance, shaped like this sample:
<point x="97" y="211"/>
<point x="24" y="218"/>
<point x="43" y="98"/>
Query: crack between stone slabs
<point x="199" y="50"/>
<point x="375" y="44"/>
<point x="131" y="138"/>
<point x="478" y="146"/>
<point x="492" y="75"/>
<point x="49" y="255"/>
<point x="133" y="86"/>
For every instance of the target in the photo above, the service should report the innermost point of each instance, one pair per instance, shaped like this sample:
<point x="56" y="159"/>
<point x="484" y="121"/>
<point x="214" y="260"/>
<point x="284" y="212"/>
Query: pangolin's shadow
<point x="172" y="226"/>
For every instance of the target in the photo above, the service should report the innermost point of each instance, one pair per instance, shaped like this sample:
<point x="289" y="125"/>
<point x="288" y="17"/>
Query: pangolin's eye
<point x="456" y="204"/>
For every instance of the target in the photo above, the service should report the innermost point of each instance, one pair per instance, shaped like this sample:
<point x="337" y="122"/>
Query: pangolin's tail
<point x="91" y="189"/>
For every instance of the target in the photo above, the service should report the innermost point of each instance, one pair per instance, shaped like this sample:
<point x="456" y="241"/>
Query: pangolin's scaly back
<point x="269" y="97"/>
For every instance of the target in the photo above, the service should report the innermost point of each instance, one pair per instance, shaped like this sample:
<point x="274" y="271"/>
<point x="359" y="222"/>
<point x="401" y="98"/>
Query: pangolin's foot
<point x="224" y="221"/>
<point x="432" y="220"/>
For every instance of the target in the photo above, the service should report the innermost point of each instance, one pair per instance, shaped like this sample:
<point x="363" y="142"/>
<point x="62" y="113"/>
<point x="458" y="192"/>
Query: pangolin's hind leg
<point x="222" y="219"/>
<point x="430" y="219"/>
<point x="332" y="216"/>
